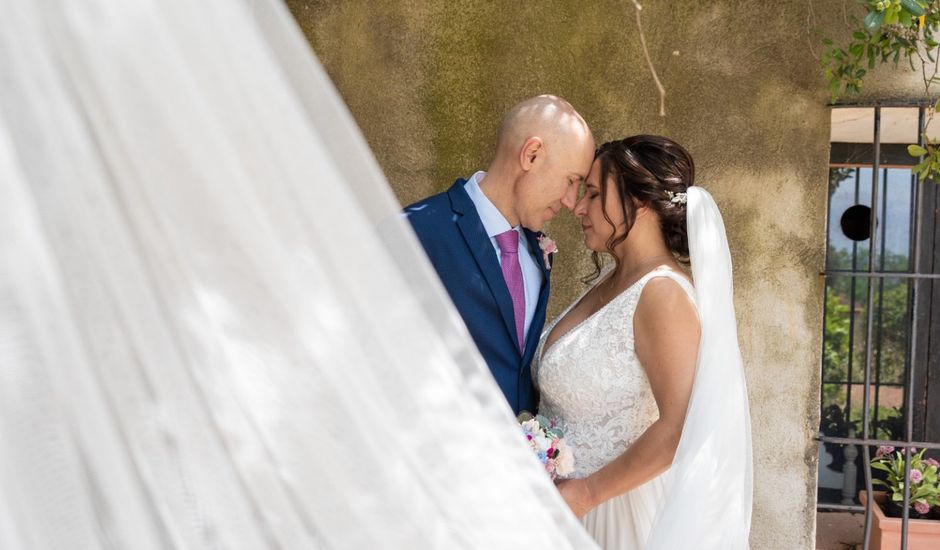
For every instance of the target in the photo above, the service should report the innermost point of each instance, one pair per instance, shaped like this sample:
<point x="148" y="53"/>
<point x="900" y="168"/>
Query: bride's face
<point x="590" y="209"/>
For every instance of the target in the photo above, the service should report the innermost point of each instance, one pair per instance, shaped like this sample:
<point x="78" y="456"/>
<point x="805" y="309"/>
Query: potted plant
<point x="923" y="532"/>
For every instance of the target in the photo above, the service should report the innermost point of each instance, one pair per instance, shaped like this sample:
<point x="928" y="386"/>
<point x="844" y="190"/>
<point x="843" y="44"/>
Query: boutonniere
<point x="548" y="247"/>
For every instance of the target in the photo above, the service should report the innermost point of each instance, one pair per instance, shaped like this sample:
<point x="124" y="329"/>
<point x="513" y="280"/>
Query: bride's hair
<point x="649" y="171"/>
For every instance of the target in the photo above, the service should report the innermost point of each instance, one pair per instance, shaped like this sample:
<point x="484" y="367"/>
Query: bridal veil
<point x="708" y="489"/>
<point x="215" y="330"/>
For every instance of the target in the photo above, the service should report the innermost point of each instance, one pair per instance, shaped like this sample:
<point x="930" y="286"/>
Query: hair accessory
<point x="677" y="198"/>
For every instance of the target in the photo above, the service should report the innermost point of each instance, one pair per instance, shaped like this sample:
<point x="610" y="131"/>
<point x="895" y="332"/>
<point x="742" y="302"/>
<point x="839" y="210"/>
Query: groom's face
<point x="554" y="183"/>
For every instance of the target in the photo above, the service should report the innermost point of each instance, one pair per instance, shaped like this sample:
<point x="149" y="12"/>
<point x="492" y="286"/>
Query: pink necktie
<point x="508" y="242"/>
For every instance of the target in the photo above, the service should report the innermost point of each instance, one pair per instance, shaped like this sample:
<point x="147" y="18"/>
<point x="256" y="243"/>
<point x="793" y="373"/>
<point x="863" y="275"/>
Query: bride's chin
<point x="589" y="245"/>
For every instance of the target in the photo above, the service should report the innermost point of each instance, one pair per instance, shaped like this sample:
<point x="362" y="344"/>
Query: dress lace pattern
<point x="592" y="382"/>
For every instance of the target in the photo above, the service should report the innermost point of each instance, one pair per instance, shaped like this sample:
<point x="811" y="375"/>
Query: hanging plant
<point x="891" y="31"/>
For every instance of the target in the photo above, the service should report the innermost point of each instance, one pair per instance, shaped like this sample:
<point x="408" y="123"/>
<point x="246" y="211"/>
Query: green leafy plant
<point x="924" y="488"/>
<point x="891" y="31"/>
<point x="929" y="167"/>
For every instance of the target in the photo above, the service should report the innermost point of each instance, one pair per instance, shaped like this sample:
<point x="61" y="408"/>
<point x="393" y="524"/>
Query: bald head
<point x="548" y="117"/>
<point x="543" y="153"/>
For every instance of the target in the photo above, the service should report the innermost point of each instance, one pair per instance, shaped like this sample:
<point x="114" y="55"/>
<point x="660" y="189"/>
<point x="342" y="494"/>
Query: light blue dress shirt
<point x="495" y="223"/>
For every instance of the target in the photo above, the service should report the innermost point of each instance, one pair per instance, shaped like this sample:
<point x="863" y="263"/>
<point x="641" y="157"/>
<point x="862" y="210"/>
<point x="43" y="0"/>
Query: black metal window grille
<point x="881" y="331"/>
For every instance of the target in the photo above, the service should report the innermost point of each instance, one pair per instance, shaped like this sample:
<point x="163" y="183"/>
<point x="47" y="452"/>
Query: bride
<point x="642" y="373"/>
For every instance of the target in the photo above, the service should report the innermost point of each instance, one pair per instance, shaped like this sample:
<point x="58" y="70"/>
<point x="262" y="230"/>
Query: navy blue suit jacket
<point x="452" y="233"/>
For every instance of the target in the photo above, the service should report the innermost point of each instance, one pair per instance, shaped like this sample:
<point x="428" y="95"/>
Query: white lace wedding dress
<point x="591" y="380"/>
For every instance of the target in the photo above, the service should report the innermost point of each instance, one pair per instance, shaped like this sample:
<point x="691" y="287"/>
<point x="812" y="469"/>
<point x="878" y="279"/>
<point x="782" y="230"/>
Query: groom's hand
<point x="577" y="495"/>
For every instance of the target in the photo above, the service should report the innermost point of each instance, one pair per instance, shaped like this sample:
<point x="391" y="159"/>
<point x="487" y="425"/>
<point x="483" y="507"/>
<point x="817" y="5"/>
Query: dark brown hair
<point x="644" y="168"/>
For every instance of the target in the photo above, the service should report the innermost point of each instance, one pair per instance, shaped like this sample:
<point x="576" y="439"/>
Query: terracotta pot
<point x="922" y="534"/>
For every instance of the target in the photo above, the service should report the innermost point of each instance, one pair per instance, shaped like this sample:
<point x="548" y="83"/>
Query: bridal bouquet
<point x="548" y="443"/>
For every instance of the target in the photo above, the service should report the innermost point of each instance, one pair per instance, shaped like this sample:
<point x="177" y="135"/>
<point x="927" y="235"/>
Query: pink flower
<point x="548" y="247"/>
<point x="916" y="476"/>
<point x="884" y="450"/>
<point x="921" y="506"/>
<point x="932" y="462"/>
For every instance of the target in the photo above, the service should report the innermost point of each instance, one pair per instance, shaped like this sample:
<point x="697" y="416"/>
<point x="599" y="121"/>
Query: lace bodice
<point x="591" y="380"/>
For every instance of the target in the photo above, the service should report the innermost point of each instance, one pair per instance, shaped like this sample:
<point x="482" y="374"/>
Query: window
<point x="881" y="341"/>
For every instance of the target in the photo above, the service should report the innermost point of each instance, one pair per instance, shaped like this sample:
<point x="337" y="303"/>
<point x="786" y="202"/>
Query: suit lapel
<point x="538" y="319"/>
<point x="471" y="227"/>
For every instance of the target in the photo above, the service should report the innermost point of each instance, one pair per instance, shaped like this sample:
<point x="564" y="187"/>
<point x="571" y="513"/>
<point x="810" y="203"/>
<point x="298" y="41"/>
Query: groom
<point x="483" y="235"/>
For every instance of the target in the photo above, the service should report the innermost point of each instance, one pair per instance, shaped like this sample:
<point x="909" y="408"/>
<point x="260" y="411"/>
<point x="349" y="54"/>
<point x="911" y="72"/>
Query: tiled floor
<point x="839" y="531"/>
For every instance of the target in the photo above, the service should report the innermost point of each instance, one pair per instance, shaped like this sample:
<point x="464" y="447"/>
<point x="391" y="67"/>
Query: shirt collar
<point x="493" y="221"/>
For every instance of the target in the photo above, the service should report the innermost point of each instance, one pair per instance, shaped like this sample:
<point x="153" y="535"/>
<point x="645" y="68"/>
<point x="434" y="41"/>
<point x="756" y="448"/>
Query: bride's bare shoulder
<point x="665" y="302"/>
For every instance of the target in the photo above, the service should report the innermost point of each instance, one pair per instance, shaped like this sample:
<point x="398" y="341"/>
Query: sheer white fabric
<point x="591" y="380"/>
<point x="708" y="489"/>
<point x="215" y="331"/>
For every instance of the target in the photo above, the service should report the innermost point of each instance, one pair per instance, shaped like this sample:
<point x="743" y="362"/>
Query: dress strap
<point x="669" y="274"/>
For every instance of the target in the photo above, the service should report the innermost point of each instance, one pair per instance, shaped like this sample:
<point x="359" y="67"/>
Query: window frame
<point x="873" y="274"/>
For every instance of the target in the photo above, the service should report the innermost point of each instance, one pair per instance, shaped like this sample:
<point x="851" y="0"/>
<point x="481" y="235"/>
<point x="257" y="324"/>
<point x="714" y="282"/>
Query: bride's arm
<point x="667" y="330"/>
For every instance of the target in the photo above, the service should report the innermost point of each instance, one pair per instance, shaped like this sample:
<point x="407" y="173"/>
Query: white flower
<point x="564" y="462"/>
<point x="543" y="442"/>
<point x="532" y="427"/>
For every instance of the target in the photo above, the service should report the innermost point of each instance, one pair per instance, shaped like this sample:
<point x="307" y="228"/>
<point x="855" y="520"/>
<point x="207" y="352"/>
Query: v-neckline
<point x="580" y="323"/>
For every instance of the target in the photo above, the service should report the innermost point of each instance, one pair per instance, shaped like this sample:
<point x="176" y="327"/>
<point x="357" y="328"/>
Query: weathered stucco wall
<point x="428" y="83"/>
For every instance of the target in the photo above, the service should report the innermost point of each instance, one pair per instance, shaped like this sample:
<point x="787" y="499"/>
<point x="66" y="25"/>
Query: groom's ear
<point x="531" y="151"/>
